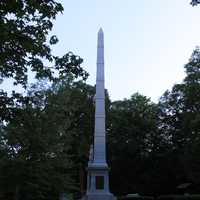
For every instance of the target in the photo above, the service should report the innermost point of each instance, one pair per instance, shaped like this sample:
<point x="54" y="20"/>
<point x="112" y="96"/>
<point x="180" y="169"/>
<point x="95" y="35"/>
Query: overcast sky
<point x="147" y="42"/>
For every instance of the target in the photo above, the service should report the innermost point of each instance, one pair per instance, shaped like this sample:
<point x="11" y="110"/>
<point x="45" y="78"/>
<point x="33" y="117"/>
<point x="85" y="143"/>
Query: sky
<point x="146" y="42"/>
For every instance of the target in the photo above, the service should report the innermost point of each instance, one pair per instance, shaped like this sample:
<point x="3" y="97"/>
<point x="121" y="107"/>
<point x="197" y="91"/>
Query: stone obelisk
<point x="98" y="177"/>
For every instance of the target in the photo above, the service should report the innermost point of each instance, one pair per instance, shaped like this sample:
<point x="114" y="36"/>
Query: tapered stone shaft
<point x="99" y="135"/>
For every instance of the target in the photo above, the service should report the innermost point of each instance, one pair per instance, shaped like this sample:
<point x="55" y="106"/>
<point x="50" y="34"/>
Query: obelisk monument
<point x="98" y="177"/>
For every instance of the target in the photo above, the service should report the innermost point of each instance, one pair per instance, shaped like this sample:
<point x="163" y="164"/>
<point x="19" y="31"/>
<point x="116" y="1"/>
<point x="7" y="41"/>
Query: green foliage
<point x="24" y="48"/>
<point x="23" y="45"/>
<point x="195" y="2"/>
<point x="46" y="143"/>
<point x="45" y="136"/>
<point x="176" y="197"/>
<point x="180" y="119"/>
<point x="146" y="140"/>
<point x="133" y="138"/>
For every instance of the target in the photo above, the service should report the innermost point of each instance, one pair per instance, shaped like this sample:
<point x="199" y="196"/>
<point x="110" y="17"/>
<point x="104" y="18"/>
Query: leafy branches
<point x="195" y="2"/>
<point x="24" y="28"/>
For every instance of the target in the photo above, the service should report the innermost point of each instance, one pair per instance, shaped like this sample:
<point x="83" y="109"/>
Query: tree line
<point x="45" y="134"/>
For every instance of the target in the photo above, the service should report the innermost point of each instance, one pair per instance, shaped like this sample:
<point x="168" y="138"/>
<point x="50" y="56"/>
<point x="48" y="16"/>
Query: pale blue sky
<point x="147" y="42"/>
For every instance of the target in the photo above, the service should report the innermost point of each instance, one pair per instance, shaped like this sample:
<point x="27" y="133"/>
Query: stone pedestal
<point x="98" y="182"/>
<point x="100" y="196"/>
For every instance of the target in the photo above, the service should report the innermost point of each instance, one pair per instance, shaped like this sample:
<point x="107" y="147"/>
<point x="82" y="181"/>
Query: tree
<point x="45" y="145"/>
<point x="34" y="163"/>
<point x="180" y="119"/>
<point x="133" y="141"/>
<point x="23" y="45"/>
<point x="195" y="2"/>
<point x="25" y="25"/>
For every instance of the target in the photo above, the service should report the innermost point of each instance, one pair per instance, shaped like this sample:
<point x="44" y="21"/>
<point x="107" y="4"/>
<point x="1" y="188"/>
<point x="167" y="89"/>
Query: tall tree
<point x="195" y="2"/>
<point x="180" y="119"/>
<point x="24" y="46"/>
<point x="133" y="138"/>
<point x="45" y="145"/>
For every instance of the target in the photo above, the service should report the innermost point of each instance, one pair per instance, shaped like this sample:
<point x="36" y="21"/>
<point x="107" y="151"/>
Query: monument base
<point x="100" y="196"/>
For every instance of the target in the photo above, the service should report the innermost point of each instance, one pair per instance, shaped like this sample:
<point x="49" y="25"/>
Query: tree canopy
<point x="45" y="135"/>
<point x="45" y="145"/>
<point x="180" y="118"/>
<point x="24" y="47"/>
<point x="195" y="2"/>
<point x="24" y="44"/>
